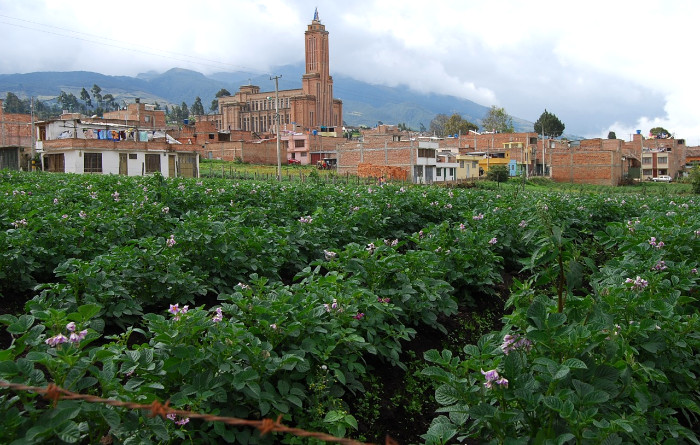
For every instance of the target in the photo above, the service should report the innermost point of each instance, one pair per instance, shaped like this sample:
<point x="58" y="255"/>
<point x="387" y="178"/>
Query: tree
<point x="110" y="104"/>
<point x="497" y="120"/>
<point x="184" y="111"/>
<point x="612" y="135"/>
<point x="68" y="101"/>
<point x="421" y="128"/>
<point x="221" y="93"/>
<point x="660" y="132"/>
<point x="437" y="125"/>
<point x="197" y="107"/>
<point x="96" y="94"/>
<point x="85" y="97"/>
<point x="214" y="105"/>
<point x="498" y="173"/>
<point x="695" y="179"/>
<point x="14" y="104"/>
<point x="549" y="125"/>
<point x="458" y="125"/>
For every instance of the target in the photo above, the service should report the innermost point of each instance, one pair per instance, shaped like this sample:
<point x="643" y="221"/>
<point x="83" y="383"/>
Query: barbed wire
<point x="55" y="393"/>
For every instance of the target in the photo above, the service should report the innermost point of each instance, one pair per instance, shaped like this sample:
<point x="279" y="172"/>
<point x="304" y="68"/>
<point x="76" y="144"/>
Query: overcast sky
<point x="617" y="65"/>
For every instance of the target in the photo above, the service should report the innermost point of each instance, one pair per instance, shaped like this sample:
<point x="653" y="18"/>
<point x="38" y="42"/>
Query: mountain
<point x="363" y="103"/>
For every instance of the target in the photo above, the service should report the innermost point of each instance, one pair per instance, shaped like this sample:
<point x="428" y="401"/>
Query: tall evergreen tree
<point x="549" y="125"/>
<point x="197" y="107"/>
<point x="85" y="97"/>
<point x="14" y="104"/>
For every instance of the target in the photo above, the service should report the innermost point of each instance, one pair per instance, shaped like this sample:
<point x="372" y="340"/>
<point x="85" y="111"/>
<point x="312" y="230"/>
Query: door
<point x="123" y="168"/>
<point x="171" y="166"/>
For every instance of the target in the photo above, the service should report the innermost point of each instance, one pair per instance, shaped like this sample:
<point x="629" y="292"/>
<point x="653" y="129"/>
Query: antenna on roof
<point x="316" y="19"/>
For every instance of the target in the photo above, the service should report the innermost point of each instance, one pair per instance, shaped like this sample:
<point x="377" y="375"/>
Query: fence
<point x="55" y="393"/>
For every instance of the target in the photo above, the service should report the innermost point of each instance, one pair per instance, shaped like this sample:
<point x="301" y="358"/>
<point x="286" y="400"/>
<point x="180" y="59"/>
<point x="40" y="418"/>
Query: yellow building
<point x="468" y="165"/>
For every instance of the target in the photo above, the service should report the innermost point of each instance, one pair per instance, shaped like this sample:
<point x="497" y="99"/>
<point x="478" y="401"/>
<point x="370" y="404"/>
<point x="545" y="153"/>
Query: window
<point x="438" y="172"/>
<point x="303" y="154"/>
<point x="55" y="163"/>
<point x="92" y="162"/>
<point x="133" y="156"/>
<point x="299" y="143"/>
<point x="461" y="164"/>
<point x="646" y="172"/>
<point x="147" y="118"/>
<point x="152" y="163"/>
<point x="662" y="159"/>
<point x="426" y="153"/>
<point x="646" y="160"/>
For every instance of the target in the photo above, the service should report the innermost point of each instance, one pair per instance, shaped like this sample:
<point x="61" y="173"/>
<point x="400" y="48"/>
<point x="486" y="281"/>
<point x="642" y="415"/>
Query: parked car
<point x="662" y="178"/>
<point x="293" y="161"/>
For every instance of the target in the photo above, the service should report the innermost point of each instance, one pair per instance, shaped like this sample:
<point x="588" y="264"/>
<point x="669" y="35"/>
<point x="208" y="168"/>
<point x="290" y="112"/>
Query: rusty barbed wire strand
<point x="55" y="393"/>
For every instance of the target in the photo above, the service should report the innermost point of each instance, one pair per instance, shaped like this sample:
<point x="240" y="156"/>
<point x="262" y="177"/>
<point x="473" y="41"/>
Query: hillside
<point x="363" y="103"/>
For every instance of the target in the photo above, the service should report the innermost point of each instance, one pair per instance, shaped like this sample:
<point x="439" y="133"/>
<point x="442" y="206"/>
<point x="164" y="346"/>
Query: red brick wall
<point x="599" y="167"/>
<point x="15" y="129"/>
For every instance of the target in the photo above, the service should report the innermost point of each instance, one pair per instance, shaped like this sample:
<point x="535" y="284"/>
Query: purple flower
<point x="170" y="242"/>
<point x="370" y="247"/>
<point x="174" y="309"/>
<point x="71" y="326"/>
<point x="56" y="340"/>
<point x="523" y="223"/>
<point x="359" y="316"/>
<point x="513" y="342"/>
<point x="20" y="222"/>
<point x="329" y="255"/>
<point x="305" y="219"/>
<point x="660" y="265"/>
<point x="493" y="240"/>
<point x="218" y="317"/>
<point x="273" y="326"/>
<point x="462" y="226"/>
<point x="115" y="195"/>
<point x="165" y="210"/>
<point x="637" y="284"/>
<point x="478" y="217"/>
<point x="77" y="337"/>
<point x="493" y="377"/>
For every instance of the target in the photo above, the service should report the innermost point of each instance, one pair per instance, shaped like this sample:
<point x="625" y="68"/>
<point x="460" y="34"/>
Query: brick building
<point x="77" y="144"/>
<point x="658" y="156"/>
<point x="305" y="109"/>
<point x="15" y="140"/>
<point x="140" y="115"/>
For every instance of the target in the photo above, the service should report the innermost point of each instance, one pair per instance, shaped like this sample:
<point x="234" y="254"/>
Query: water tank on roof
<point x="186" y="121"/>
<point x="639" y="131"/>
<point x="315" y="132"/>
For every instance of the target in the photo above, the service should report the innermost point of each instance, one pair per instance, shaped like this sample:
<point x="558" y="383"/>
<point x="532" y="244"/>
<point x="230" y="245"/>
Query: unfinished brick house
<point x="15" y="140"/>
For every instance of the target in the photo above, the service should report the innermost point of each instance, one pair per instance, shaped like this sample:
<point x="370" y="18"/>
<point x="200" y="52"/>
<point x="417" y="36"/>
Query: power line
<point x="118" y="44"/>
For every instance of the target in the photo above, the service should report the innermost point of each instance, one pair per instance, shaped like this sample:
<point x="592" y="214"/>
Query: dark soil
<point x="400" y="404"/>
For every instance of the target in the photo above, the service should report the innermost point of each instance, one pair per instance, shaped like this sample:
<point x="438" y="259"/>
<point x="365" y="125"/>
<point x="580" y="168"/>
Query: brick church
<point x="311" y="107"/>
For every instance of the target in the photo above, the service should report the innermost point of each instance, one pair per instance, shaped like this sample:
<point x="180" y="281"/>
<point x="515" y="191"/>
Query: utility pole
<point x="277" y="126"/>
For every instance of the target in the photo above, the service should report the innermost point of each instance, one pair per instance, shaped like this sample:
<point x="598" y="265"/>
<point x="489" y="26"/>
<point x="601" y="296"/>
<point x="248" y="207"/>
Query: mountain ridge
<point x="363" y="103"/>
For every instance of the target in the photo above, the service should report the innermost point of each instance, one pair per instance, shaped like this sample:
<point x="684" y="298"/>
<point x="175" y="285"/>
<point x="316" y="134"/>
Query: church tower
<point x="317" y="81"/>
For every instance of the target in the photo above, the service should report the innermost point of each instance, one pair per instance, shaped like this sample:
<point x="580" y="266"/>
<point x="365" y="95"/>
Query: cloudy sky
<point x="617" y="65"/>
